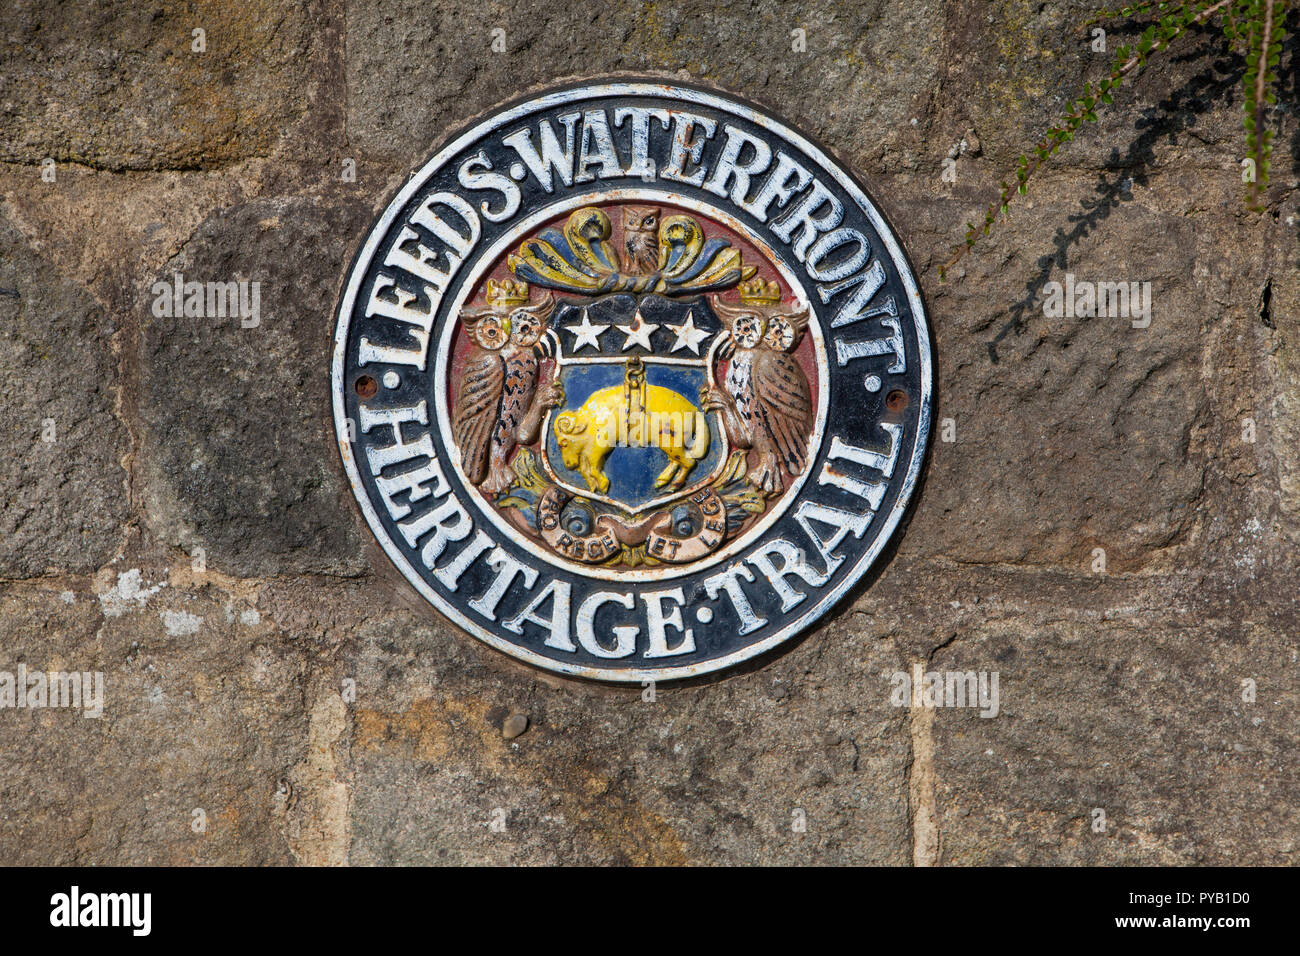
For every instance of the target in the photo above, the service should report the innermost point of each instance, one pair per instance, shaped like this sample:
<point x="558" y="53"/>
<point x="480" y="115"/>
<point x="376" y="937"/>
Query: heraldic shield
<point x="630" y="433"/>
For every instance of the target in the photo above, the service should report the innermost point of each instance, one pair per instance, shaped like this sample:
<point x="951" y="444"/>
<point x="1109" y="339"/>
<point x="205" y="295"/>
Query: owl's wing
<point x="783" y="404"/>
<point x="475" y="414"/>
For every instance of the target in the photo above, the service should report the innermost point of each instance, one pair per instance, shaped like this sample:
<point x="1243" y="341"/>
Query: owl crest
<point x="509" y="316"/>
<point x="640" y="239"/>
<point x="765" y="400"/>
<point x="756" y="320"/>
<point x="500" y="405"/>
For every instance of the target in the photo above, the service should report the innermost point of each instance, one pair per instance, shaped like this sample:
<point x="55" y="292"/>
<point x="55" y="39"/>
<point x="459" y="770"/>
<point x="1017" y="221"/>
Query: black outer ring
<point x="689" y="582"/>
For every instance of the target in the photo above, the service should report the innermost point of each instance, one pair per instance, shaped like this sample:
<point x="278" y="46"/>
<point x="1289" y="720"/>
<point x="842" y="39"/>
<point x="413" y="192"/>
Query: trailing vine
<point x="1253" y="28"/>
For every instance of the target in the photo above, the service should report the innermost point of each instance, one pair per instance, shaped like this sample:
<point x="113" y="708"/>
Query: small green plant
<point x="1253" y="28"/>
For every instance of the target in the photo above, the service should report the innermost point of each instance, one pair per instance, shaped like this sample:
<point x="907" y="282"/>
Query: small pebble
<point x="514" y="725"/>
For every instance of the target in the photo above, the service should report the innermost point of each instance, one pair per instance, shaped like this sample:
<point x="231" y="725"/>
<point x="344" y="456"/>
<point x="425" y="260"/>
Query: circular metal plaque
<point x="632" y="381"/>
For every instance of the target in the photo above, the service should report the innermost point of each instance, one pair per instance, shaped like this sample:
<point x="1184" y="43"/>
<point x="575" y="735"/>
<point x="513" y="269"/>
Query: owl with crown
<point x="765" y="401"/>
<point x="500" y="405"/>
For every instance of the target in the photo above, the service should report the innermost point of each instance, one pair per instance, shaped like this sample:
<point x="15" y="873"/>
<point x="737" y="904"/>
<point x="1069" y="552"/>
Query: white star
<point x="586" y="333"/>
<point x="688" y="336"/>
<point x="638" y="333"/>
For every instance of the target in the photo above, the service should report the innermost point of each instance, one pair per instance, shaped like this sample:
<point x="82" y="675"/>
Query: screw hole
<point x="896" y="400"/>
<point x="366" y="386"/>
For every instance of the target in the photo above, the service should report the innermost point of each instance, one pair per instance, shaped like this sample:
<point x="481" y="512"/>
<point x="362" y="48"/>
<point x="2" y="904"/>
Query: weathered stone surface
<point x="1278" y="411"/>
<point x="239" y="456"/>
<point x="724" y="772"/>
<point x="1010" y="68"/>
<point x="403" y="95"/>
<point x="120" y="86"/>
<point x="1143" y="720"/>
<point x="300" y="694"/>
<point x="203" y="710"/>
<point x="1042" y="407"/>
<point x="1120" y="693"/>
<point x="62" y="487"/>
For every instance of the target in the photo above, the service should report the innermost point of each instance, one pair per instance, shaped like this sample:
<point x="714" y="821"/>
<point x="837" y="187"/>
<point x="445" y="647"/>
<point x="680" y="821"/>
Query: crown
<point x="506" y="293"/>
<point x="758" y="292"/>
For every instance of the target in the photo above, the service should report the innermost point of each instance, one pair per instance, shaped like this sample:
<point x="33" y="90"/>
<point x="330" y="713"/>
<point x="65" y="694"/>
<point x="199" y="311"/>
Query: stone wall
<point x="189" y="533"/>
